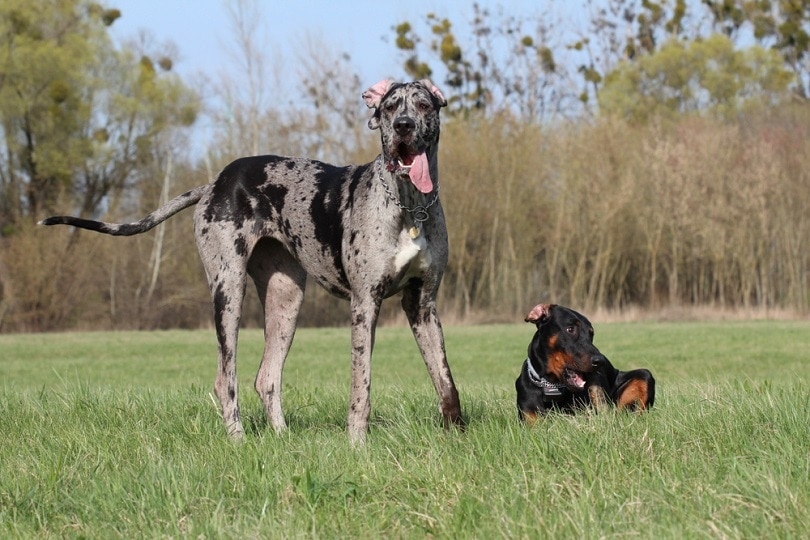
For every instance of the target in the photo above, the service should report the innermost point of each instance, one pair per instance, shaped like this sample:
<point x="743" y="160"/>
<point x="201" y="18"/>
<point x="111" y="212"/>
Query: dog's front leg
<point x="420" y="308"/>
<point x="365" y="312"/>
<point x="598" y="398"/>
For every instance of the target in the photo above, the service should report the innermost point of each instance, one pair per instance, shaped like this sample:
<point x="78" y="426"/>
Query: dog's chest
<point x="410" y="259"/>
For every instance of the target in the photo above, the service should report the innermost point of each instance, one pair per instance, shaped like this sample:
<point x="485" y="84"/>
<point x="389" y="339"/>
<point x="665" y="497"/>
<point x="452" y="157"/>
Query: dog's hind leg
<point x="280" y="282"/>
<point x="635" y="390"/>
<point x="427" y="330"/>
<point x="226" y="267"/>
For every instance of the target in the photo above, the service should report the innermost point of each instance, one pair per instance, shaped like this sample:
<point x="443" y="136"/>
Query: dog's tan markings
<point x="634" y="396"/>
<point x="557" y="361"/>
<point x="530" y="417"/>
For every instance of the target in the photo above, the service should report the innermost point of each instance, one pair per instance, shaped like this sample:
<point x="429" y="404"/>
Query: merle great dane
<point x="364" y="232"/>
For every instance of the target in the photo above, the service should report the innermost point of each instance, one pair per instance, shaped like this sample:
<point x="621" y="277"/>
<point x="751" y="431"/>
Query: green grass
<point x="110" y="435"/>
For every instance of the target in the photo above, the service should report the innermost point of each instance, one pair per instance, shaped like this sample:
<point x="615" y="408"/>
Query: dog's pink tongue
<point x="576" y="381"/>
<point x="420" y="174"/>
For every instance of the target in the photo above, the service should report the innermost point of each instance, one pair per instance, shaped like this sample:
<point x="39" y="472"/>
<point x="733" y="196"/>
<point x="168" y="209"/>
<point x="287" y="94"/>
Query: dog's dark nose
<point x="404" y="125"/>
<point x="598" y="361"/>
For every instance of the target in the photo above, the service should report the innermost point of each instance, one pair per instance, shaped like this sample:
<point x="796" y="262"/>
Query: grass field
<point x="109" y="435"/>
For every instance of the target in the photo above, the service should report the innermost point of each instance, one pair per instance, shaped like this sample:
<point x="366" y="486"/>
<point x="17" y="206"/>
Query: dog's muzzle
<point x="404" y="125"/>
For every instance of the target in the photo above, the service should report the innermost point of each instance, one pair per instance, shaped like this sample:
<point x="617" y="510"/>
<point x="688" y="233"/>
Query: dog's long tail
<point x="181" y="202"/>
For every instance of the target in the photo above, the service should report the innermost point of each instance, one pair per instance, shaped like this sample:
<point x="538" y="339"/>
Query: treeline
<point x="677" y="176"/>
<point x="698" y="212"/>
<point x="694" y="213"/>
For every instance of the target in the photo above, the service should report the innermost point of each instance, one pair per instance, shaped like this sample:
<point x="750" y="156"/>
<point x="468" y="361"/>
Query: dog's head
<point x="407" y="116"/>
<point x="562" y="348"/>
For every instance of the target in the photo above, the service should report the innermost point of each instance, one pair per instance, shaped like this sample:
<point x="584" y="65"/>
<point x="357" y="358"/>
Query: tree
<point x="529" y="80"/>
<point x="548" y="72"/>
<point x="84" y="125"/>
<point x="623" y="30"/>
<point x="78" y="116"/>
<point x="689" y="77"/>
<point x="783" y="25"/>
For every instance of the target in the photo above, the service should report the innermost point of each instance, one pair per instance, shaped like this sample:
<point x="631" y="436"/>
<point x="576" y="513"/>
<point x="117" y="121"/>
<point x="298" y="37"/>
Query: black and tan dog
<point x="565" y="370"/>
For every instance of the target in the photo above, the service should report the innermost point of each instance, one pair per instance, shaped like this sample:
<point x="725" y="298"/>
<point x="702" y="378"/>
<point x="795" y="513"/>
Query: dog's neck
<point x="549" y="388"/>
<point x="399" y="189"/>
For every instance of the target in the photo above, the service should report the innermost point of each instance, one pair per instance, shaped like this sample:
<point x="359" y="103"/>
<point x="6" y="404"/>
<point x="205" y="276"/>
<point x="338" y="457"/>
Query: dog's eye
<point x="424" y="106"/>
<point x="390" y="107"/>
<point x="571" y="329"/>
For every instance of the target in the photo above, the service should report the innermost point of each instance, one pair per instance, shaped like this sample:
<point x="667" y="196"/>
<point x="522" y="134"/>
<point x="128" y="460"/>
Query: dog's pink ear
<point x="539" y="314"/>
<point x="373" y="95"/>
<point x="435" y="91"/>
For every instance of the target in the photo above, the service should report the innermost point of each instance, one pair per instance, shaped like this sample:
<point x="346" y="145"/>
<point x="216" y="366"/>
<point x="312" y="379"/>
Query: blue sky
<point x="200" y="28"/>
<point x="200" y="31"/>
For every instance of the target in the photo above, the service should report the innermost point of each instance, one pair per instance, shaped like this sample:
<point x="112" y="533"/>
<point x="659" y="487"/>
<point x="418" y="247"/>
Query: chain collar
<point x="549" y="388"/>
<point x="419" y="212"/>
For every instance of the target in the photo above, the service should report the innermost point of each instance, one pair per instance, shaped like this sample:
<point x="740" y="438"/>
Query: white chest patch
<point x="411" y="258"/>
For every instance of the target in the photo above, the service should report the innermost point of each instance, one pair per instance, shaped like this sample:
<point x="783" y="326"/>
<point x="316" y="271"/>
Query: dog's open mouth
<point x="415" y="165"/>
<point x="405" y="156"/>
<point x="574" y="380"/>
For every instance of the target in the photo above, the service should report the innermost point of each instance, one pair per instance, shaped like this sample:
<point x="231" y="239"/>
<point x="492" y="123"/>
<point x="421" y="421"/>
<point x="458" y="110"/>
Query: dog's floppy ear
<point x="373" y="96"/>
<point x="539" y="314"/>
<point x="435" y="91"/>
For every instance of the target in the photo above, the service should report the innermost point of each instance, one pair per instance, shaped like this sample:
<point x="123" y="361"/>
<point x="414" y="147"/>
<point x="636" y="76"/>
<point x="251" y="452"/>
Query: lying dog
<point x="565" y="370"/>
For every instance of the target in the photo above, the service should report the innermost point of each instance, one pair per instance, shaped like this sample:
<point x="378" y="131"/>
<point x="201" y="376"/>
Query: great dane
<point x="364" y="232"/>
